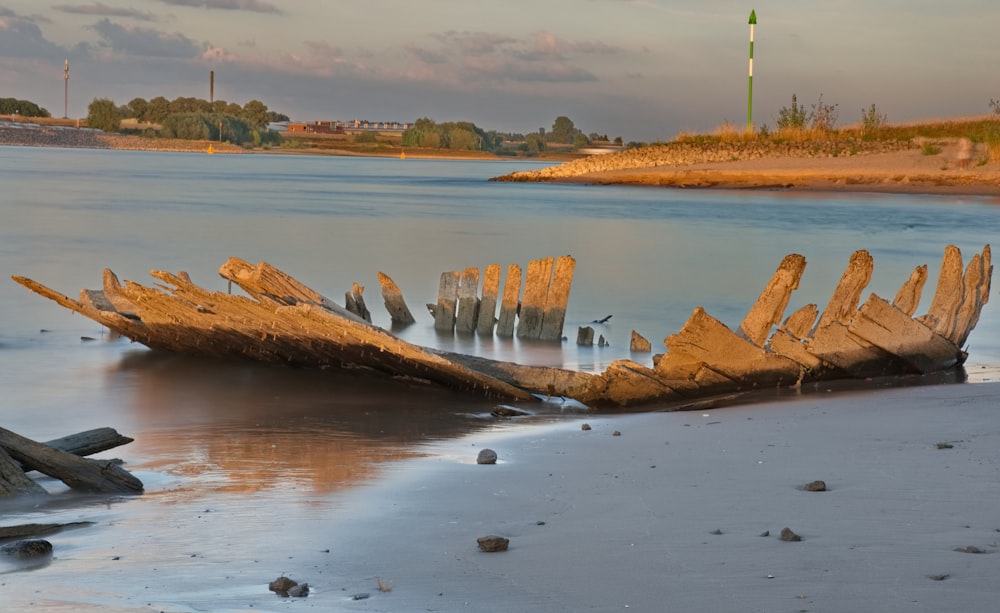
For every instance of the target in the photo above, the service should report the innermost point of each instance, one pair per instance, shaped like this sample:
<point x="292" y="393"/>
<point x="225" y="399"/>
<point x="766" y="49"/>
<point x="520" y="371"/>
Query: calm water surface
<point x="244" y="436"/>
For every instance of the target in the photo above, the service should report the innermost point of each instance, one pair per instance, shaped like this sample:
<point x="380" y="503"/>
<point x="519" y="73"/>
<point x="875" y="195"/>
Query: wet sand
<point x="680" y="512"/>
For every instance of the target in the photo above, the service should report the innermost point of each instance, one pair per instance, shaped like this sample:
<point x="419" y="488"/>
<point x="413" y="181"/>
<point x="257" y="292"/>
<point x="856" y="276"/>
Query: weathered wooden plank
<point x="846" y="296"/>
<point x="267" y="283"/>
<point x="13" y="481"/>
<point x="799" y="324"/>
<point x="21" y="531"/>
<point x="835" y="344"/>
<point x="908" y="297"/>
<point x="557" y="299"/>
<point x="468" y="302"/>
<point x="639" y="344"/>
<point x="705" y="339"/>
<point x="984" y="296"/>
<point x="399" y="313"/>
<point x="488" y="302"/>
<point x="773" y="300"/>
<point x="354" y="301"/>
<point x="536" y="289"/>
<point x="74" y="471"/>
<point x="785" y="344"/>
<point x="630" y="383"/>
<point x="948" y="295"/>
<point x="968" y="312"/>
<point x="892" y="330"/>
<point x="90" y="442"/>
<point x="510" y="305"/>
<point x="447" y="302"/>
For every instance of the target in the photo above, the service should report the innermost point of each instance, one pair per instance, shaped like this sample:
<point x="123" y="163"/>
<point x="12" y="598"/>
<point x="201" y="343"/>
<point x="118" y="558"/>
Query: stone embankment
<point x="689" y="153"/>
<point x="35" y="135"/>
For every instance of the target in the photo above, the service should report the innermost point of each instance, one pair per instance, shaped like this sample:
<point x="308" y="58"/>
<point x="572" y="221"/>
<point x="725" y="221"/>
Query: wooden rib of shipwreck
<point x="284" y="321"/>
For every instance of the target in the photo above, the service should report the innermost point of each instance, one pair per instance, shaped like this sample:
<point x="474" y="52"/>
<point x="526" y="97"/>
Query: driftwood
<point x="21" y="531"/>
<point x="19" y="454"/>
<point x="399" y="313"/>
<point x="284" y="321"/>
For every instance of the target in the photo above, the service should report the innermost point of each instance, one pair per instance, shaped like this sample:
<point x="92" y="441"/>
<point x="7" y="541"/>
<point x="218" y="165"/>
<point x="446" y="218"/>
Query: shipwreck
<point x="280" y="320"/>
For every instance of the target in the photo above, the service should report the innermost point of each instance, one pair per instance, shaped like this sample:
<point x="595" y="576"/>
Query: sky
<point x="644" y="70"/>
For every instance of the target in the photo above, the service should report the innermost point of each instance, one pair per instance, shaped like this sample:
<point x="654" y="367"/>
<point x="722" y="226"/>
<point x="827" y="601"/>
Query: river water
<point x="242" y="437"/>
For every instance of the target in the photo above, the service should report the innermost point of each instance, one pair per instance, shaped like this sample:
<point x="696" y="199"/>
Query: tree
<point x="274" y="117"/>
<point x="102" y="113"/>
<point x="563" y="131"/>
<point x="157" y="110"/>
<point x="533" y="143"/>
<point x="255" y="115"/>
<point x="580" y="141"/>
<point x="24" y="108"/>
<point x="995" y="105"/>
<point x="137" y="108"/>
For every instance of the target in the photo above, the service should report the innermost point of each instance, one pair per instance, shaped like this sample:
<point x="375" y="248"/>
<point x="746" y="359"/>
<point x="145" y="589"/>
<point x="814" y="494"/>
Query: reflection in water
<point x="243" y="428"/>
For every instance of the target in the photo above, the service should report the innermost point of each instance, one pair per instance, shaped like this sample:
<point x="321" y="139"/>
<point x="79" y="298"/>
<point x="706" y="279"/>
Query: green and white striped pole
<point x="753" y="22"/>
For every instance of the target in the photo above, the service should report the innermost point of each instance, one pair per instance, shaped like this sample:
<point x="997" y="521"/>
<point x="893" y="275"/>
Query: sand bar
<point x="680" y="512"/>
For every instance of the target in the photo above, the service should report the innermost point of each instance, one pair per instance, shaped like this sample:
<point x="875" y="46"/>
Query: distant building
<point x="347" y="127"/>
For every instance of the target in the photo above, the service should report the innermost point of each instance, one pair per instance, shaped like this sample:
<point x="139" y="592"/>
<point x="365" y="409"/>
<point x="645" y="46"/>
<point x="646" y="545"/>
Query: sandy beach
<point x="905" y="171"/>
<point x="678" y="512"/>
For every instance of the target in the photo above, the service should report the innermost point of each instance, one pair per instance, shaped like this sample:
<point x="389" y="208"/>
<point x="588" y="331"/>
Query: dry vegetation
<point x="983" y="130"/>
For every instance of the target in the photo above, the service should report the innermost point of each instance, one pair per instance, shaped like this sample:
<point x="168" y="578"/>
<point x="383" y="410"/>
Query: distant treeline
<point x="189" y="119"/>
<point x="254" y="114"/>
<point x="24" y="108"/>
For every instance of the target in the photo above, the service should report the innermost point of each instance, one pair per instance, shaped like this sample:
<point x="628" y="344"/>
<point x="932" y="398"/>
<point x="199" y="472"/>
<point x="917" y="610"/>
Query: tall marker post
<point x="753" y="22"/>
<point x="66" y="90"/>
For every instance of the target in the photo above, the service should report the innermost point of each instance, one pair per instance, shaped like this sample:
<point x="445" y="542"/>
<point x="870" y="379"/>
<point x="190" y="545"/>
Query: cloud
<point x="473" y="43"/>
<point x="22" y="38"/>
<point x="463" y="57"/>
<point x="103" y="10"/>
<point x="144" y="42"/>
<point x="252" y="6"/>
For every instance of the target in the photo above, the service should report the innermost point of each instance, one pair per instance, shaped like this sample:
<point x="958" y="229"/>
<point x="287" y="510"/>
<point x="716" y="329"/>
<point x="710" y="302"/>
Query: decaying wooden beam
<point x="536" y="290"/>
<point x="896" y="333"/>
<point x="399" y="313"/>
<point x="708" y="341"/>
<point x="973" y="284"/>
<point x="639" y="344"/>
<point x="557" y="299"/>
<point x="90" y="442"/>
<point x="74" y="471"/>
<point x="354" y="302"/>
<point x="488" y="302"/>
<point x="13" y="481"/>
<point x="468" y="302"/>
<point x="770" y="306"/>
<point x="948" y="296"/>
<point x="908" y="297"/>
<point x="844" y="301"/>
<point x="510" y="305"/>
<point x="447" y="302"/>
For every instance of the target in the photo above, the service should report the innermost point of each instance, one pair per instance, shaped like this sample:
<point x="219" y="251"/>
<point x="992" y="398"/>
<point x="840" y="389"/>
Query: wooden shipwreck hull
<point x="281" y="320"/>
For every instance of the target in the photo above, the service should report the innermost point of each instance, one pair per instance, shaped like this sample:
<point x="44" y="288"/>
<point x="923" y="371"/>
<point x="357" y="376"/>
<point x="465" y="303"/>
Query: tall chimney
<point x="211" y="86"/>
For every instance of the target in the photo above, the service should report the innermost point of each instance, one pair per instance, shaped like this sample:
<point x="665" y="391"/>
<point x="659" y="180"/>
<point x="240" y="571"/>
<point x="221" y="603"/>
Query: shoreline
<point x="679" y="511"/>
<point x="900" y="170"/>
<point x="891" y="168"/>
